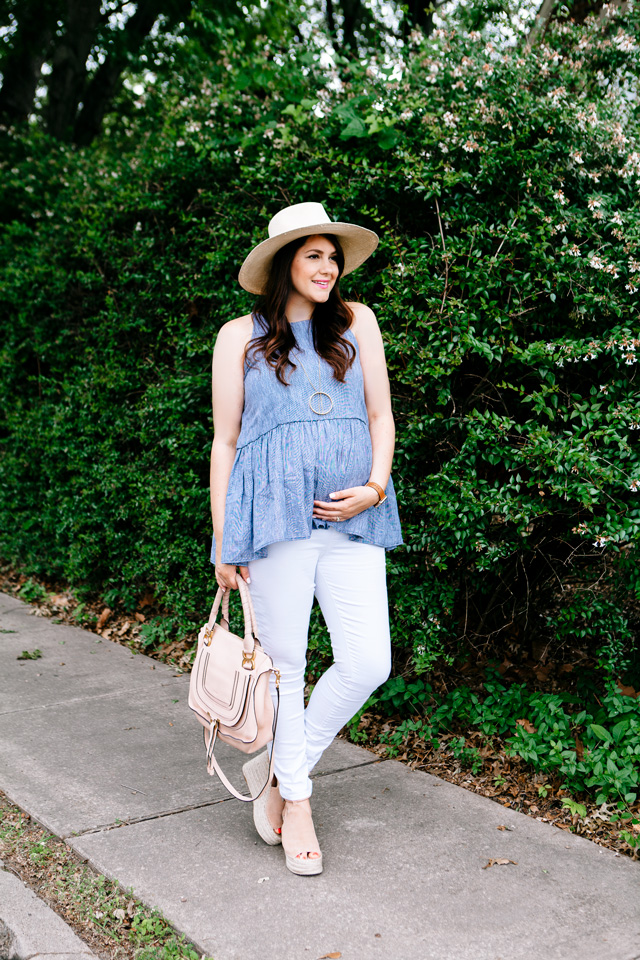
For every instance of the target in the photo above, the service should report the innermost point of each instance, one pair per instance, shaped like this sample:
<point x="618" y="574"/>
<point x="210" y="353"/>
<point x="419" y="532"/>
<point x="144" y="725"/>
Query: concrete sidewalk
<point x="100" y="747"/>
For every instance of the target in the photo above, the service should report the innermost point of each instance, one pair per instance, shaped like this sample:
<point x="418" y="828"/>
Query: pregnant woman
<point x="301" y="495"/>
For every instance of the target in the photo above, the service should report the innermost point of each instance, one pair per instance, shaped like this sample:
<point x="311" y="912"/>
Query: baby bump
<point x="342" y="456"/>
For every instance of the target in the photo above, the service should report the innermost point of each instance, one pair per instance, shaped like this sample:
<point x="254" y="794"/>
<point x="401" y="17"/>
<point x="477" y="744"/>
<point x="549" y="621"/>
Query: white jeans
<point x="349" y="580"/>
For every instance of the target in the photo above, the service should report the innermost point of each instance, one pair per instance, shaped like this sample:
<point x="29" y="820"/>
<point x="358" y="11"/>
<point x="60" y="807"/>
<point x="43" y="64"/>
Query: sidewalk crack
<point x="132" y="821"/>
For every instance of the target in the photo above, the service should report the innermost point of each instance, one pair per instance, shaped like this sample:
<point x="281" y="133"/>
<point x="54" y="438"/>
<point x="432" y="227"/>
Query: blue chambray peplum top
<point x="287" y="456"/>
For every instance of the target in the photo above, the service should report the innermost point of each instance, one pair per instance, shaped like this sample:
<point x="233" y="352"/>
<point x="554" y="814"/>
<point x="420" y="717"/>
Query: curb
<point x="29" y="929"/>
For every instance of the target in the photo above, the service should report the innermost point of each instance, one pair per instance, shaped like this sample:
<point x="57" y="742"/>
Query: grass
<point x="111" y="921"/>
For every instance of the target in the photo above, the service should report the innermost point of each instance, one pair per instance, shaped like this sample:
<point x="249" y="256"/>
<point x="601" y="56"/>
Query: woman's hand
<point x="227" y="577"/>
<point x="345" y="504"/>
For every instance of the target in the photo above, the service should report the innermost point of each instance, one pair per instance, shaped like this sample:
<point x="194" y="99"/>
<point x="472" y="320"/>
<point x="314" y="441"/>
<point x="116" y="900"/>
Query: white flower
<point x="631" y="287"/>
<point x="560" y="197"/>
<point x="616" y="218"/>
<point x="575" y="250"/>
<point x="596" y="262"/>
<point x="634" y="486"/>
<point x="577" y="157"/>
<point x="634" y="266"/>
<point x="594" y="202"/>
<point x="450" y="119"/>
<point x="470" y="146"/>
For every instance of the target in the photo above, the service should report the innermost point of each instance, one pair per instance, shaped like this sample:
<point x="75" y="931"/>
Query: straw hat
<point x="304" y="220"/>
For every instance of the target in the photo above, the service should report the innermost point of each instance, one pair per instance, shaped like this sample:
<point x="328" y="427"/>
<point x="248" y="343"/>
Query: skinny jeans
<point x="349" y="580"/>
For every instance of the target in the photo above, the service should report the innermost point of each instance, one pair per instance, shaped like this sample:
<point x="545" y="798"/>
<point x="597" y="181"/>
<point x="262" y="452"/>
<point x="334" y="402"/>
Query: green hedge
<point x="503" y="183"/>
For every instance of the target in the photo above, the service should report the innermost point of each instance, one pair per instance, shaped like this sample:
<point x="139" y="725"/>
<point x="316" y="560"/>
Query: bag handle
<point x="214" y="767"/>
<point x="250" y="624"/>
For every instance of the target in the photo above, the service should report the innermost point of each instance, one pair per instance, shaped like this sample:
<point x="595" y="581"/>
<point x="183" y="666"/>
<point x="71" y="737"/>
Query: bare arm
<point x="228" y="401"/>
<point x="377" y="395"/>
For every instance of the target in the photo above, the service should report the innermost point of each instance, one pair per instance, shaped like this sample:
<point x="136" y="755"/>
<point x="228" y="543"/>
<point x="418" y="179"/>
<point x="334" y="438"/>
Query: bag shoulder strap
<point x="214" y="767"/>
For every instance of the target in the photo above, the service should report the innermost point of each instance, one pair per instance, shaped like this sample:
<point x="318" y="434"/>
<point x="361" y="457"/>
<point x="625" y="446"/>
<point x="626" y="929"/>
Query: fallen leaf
<point x="499" y="862"/>
<point x="626" y="691"/>
<point x="60" y="600"/>
<point x="119" y="914"/>
<point x="501" y="827"/>
<point x="330" y="956"/>
<point x="140" y="617"/>
<point x="529" y="727"/>
<point x="102" y="619"/>
<point x="123" y="629"/>
<point x="579" y="748"/>
<point x="131" y="908"/>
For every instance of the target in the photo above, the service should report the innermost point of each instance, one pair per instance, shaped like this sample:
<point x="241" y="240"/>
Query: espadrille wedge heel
<point x="255" y="773"/>
<point x="299" y="840"/>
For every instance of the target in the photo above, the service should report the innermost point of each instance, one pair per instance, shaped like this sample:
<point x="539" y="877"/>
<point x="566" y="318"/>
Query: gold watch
<point x="378" y="489"/>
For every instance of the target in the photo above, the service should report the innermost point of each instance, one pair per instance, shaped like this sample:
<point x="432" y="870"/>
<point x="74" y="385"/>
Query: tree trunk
<point x="541" y="23"/>
<point x="22" y="64"/>
<point x="69" y="67"/>
<point x="106" y="81"/>
<point x="419" y="15"/>
<point x="352" y="15"/>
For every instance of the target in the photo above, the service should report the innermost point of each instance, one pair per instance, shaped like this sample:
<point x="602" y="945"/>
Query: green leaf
<point x="600" y="732"/>
<point x="356" y="128"/>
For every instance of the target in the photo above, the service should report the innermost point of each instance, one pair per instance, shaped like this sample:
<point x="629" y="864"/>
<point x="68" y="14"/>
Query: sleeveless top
<point x="287" y="456"/>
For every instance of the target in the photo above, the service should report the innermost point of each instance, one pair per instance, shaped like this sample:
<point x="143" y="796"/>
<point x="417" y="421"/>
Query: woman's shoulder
<point x="236" y="333"/>
<point x="364" y="321"/>
<point x="238" y="328"/>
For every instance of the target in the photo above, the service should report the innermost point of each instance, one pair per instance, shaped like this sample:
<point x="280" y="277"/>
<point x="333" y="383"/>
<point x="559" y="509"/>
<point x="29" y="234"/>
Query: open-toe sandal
<point x="299" y="839"/>
<point x="255" y="773"/>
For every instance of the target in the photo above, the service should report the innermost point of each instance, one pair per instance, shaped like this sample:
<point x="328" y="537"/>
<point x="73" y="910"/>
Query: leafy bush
<point x="503" y="183"/>
<point x="594" y="746"/>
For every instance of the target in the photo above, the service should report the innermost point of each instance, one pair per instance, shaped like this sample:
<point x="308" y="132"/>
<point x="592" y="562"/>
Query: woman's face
<point x="314" y="269"/>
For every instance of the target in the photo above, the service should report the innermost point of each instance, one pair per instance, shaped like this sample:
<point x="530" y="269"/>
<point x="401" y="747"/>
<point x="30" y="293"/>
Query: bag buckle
<point x="208" y="637"/>
<point x="249" y="660"/>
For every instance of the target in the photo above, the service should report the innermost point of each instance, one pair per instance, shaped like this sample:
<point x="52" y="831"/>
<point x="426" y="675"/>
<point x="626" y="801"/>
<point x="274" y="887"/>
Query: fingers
<point x="244" y="573"/>
<point x="226" y="576"/>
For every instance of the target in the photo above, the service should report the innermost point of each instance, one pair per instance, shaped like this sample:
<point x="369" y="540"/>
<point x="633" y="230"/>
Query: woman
<point x="301" y="494"/>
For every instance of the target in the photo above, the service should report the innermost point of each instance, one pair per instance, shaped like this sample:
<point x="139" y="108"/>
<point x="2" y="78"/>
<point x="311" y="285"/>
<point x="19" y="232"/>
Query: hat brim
<point x="357" y="244"/>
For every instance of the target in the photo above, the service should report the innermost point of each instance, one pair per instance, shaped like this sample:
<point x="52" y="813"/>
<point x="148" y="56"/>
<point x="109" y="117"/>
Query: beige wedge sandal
<point x="255" y="773"/>
<point x="299" y="839"/>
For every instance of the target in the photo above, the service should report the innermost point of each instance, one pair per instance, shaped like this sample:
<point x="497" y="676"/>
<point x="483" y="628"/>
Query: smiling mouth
<point x="321" y="283"/>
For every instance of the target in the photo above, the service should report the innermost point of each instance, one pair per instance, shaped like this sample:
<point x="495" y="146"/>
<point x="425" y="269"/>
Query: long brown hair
<point x="330" y="320"/>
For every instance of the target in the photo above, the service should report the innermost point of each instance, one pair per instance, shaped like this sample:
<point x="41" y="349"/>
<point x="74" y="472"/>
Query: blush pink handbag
<point x="229" y="688"/>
